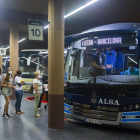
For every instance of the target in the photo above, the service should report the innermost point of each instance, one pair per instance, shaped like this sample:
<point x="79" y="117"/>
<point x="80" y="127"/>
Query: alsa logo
<point x="108" y="102"/>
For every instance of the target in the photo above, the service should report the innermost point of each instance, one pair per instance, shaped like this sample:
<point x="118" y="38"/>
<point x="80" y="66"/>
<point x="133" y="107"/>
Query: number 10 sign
<point x="35" y="29"/>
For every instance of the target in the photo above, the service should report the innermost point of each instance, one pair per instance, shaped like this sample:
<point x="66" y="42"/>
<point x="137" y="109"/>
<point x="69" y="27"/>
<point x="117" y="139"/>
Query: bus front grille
<point x="101" y="112"/>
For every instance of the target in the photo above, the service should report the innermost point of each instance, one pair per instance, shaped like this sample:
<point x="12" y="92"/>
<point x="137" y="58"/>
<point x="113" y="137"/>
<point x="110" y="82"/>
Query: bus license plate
<point x="93" y="121"/>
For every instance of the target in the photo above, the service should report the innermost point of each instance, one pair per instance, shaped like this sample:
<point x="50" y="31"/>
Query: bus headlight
<point x="137" y="106"/>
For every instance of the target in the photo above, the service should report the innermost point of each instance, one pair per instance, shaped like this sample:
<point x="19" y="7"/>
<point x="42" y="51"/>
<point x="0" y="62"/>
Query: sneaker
<point x="8" y="115"/>
<point x="39" y="109"/>
<point x="17" y="112"/>
<point x="5" y="116"/>
<point x="21" y="111"/>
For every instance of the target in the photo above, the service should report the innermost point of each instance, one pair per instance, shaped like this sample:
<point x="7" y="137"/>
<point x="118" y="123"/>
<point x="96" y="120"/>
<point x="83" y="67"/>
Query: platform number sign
<point x="2" y="51"/>
<point x="35" y="30"/>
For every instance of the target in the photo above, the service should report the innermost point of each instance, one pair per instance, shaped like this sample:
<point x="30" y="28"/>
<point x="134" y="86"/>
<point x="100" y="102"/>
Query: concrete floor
<point x="27" y="127"/>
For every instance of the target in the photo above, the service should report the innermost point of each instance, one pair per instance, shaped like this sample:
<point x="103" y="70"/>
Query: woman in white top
<point x="18" y="91"/>
<point x="7" y="85"/>
<point x="37" y="85"/>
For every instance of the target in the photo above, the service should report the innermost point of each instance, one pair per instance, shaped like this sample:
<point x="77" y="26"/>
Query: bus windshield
<point x="86" y="60"/>
<point x="4" y="61"/>
<point x="29" y="70"/>
<point x="39" y="62"/>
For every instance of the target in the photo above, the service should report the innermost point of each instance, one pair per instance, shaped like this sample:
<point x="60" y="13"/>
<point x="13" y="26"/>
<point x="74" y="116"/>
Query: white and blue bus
<point x="40" y="61"/>
<point x="111" y="98"/>
<point x="28" y="71"/>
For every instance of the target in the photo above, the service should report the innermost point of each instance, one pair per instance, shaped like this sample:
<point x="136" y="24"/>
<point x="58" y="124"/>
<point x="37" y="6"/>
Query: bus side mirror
<point x="28" y="61"/>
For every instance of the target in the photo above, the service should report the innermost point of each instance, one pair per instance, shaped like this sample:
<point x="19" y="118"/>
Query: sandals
<point x="37" y="115"/>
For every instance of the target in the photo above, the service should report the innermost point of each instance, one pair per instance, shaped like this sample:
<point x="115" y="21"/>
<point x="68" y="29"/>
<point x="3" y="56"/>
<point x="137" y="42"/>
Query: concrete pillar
<point x="14" y="47"/>
<point x="1" y="66"/>
<point x="14" y="50"/>
<point x="56" y="64"/>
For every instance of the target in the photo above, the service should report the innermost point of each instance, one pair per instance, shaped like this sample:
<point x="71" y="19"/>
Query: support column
<point x="56" y="64"/>
<point x="14" y="49"/>
<point x="1" y="66"/>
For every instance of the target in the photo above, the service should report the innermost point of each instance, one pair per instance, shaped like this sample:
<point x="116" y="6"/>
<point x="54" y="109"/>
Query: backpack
<point x="31" y="89"/>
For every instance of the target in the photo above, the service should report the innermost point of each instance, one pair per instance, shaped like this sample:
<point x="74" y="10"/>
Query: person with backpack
<point x="7" y="85"/>
<point x="37" y="85"/>
<point x="18" y="91"/>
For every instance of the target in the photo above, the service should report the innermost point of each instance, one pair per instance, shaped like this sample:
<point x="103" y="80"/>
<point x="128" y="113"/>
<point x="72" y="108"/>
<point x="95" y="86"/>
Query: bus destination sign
<point x="107" y="41"/>
<point x="88" y="42"/>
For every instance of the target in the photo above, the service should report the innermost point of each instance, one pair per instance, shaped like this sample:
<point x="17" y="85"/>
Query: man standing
<point x="97" y="64"/>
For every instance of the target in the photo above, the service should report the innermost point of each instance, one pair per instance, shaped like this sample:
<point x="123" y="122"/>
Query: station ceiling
<point x="100" y="13"/>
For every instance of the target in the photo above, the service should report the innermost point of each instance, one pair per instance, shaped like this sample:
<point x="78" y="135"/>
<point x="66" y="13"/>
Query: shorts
<point x="6" y="91"/>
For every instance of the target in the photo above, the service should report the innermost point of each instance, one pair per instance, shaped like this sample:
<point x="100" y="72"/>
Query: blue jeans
<point x="19" y="94"/>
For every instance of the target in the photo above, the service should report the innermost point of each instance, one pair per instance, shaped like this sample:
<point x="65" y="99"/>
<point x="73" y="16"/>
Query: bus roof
<point x="109" y="27"/>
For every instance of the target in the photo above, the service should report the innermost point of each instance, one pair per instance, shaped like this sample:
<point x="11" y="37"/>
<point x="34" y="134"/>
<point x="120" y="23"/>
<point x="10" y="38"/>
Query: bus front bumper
<point x="130" y="122"/>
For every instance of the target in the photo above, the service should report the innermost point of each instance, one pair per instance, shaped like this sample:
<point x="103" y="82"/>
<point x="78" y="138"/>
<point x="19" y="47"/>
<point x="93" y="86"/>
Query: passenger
<point x="43" y="91"/>
<point x="131" y="69"/>
<point x="97" y="64"/>
<point x="37" y="85"/>
<point x="18" y="91"/>
<point x="7" y="85"/>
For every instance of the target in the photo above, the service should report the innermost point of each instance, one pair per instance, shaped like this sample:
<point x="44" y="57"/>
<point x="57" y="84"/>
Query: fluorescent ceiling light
<point x="18" y="42"/>
<point x="82" y="7"/>
<point x="22" y="40"/>
<point x="46" y="27"/>
<point x="8" y="47"/>
<point x="5" y="57"/>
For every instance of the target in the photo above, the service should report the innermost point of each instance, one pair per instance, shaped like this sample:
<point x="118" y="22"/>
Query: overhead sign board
<point x="35" y="29"/>
<point x="2" y="51"/>
<point x="101" y="41"/>
<point x="88" y="42"/>
<point x="107" y="41"/>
